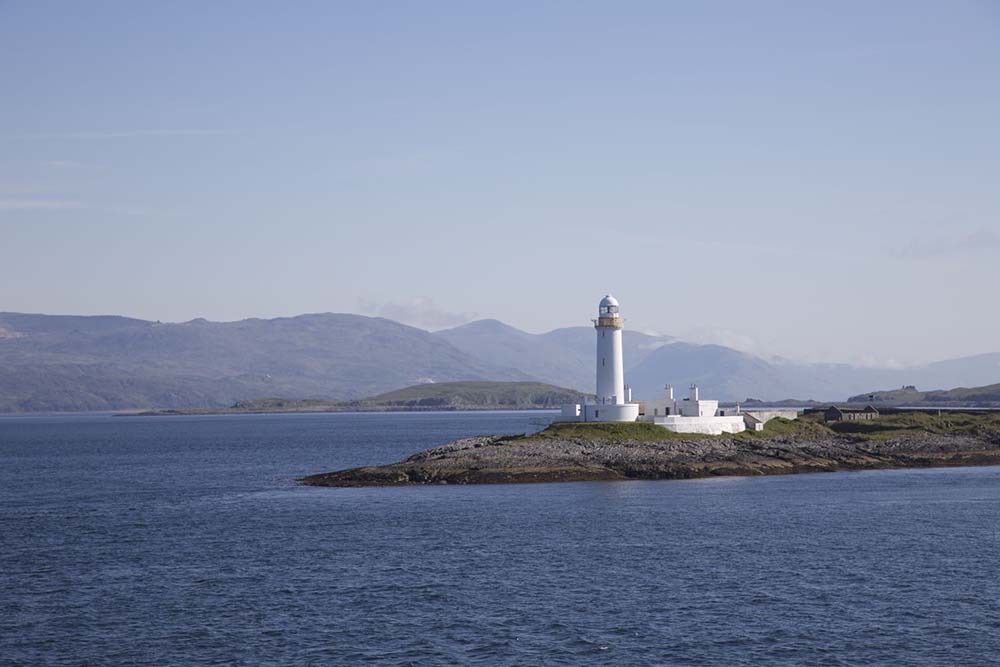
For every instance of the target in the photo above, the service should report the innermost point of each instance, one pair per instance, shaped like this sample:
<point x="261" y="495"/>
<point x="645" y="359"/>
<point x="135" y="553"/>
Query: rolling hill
<point x="506" y="395"/>
<point x="430" y="396"/>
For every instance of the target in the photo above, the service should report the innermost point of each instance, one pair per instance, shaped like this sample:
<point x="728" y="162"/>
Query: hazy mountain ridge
<point x="721" y="372"/>
<point x="107" y="363"/>
<point x="563" y="357"/>
<point x="61" y="363"/>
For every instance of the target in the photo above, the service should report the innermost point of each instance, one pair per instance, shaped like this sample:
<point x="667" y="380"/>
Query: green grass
<point x="779" y="427"/>
<point x="648" y="432"/>
<point x="896" y="425"/>
<point x="807" y="426"/>
<point x="513" y="394"/>
<point x="613" y="431"/>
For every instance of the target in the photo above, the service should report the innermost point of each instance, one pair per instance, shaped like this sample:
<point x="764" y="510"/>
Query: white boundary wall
<point x="706" y="425"/>
<point x="767" y="415"/>
<point x="621" y="412"/>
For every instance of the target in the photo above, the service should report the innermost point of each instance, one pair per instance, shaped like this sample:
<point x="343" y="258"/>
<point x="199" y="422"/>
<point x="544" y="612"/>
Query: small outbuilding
<point x="836" y="414"/>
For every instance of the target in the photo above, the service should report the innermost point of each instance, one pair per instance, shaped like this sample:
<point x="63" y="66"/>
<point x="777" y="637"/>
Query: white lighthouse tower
<point x="610" y="368"/>
<point x="614" y="399"/>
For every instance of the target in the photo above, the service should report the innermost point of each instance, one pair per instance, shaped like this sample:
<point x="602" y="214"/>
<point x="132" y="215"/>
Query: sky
<point x="815" y="180"/>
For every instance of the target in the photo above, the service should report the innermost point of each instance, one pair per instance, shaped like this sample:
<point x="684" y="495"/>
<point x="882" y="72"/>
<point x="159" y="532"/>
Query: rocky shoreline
<point x="563" y="455"/>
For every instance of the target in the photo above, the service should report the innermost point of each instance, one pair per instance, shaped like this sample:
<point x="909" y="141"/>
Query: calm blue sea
<point x="184" y="541"/>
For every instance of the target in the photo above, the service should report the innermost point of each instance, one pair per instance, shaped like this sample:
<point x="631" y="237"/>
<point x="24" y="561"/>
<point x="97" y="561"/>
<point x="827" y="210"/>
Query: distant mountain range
<point x="65" y="363"/>
<point x="108" y="363"/>
<point x="563" y="357"/>
<point x="566" y="357"/>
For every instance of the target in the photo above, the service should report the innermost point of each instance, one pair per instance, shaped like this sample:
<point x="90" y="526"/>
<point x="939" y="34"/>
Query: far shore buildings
<point x="614" y="403"/>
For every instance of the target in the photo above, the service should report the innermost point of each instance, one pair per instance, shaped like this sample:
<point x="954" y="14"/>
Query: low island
<point x="426" y="397"/>
<point x="645" y="451"/>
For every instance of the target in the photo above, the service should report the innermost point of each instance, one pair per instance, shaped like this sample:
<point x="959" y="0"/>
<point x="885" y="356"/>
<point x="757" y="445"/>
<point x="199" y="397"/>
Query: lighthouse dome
<point x="608" y="307"/>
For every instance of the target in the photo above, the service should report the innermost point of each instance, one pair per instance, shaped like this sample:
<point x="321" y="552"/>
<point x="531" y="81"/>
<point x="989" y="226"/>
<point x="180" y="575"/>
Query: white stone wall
<point x="570" y="412"/>
<point x="705" y="425"/>
<point x="699" y="408"/>
<point x="686" y="408"/>
<point x="767" y="415"/>
<point x="622" y="412"/>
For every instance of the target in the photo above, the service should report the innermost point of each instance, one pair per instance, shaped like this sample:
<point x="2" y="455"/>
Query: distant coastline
<point x="429" y="397"/>
<point x="330" y="410"/>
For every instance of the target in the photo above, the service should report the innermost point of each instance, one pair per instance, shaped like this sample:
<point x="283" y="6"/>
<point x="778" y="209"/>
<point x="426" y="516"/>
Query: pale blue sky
<point x="816" y="180"/>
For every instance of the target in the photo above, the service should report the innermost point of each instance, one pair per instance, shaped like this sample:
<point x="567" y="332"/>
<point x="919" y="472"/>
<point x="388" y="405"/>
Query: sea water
<point x="186" y="541"/>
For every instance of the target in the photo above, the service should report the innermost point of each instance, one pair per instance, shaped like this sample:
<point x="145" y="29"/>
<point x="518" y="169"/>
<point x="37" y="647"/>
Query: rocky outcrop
<point x="540" y="458"/>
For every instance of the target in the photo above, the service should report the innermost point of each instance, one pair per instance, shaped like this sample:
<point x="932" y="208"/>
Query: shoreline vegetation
<point x="643" y="451"/>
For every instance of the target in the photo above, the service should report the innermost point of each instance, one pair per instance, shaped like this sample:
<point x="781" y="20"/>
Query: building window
<point x="602" y="362"/>
<point x="597" y="413"/>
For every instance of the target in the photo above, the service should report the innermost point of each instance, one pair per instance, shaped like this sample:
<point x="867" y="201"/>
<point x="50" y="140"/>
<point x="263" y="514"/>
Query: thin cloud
<point x="730" y="338"/>
<point x="26" y="204"/>
<point x="978" y="242"/>
<point x="420" y="312"/>
<point x="67" y="164"/>
<point x="124" y="134"/>
<point x="17" y="190"/>
<point x="37" y="205"/>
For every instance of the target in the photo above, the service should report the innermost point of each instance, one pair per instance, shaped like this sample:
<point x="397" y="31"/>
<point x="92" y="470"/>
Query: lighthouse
<point x="610" y="368"/>
<point x="613" y="401"/>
